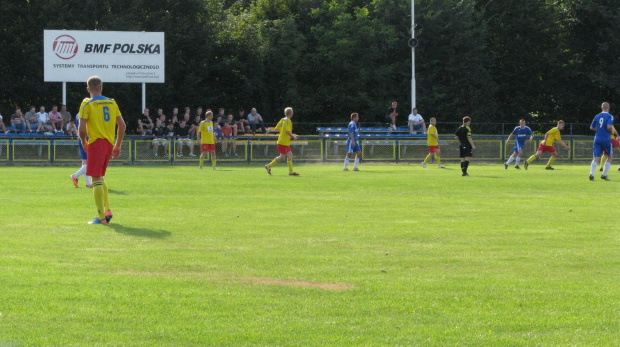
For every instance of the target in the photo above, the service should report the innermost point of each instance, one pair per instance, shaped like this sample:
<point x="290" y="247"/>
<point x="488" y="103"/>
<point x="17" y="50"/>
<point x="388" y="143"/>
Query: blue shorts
<point x="599" y="147"/>
<point x="353" y="149"/>
<point x="83" y="155"/>
<point x="518" y="146"/>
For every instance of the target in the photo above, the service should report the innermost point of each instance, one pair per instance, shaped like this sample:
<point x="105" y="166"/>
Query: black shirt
<point x="183" y="132"/>
<point x="144" y="119"/>
<point x="159" y="131"/>
<point x="169" y="132"/>
<point x="464" y="133"/>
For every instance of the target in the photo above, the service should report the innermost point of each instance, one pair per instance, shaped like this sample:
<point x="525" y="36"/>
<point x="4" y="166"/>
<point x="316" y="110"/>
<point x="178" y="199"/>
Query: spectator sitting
<point x="44" y="118"/>
<point x="32" y="119"/>
<point x="18" y="122"/>
<point x="169" y="134"/>
<point x="161" y="116"/>
<point x="242" y="123"/>
<point x="174" y="121"/>
<point x="145" y="123"/>
<point x="183" y="137"/>
<point x="392" y="113"/>
<point x="159" y="131"/>
<point x="2" y="124"/>
<point x="229" y="130"/>
<point x="71" y="129"/>
<point x="193" y="128"/>
<point x="66" y="115"/>
<point x="416" y="122"/>
<point x="56" y="120"/>
<point x="255" y="119"/>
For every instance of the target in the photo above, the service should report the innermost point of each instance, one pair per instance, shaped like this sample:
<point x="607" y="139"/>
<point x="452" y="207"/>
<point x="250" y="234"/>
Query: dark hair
<point x="466" y="119"/>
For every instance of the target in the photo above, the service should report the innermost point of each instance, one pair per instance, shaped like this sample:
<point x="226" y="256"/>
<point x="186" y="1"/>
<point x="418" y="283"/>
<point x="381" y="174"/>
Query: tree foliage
<point x="495" y="60"/>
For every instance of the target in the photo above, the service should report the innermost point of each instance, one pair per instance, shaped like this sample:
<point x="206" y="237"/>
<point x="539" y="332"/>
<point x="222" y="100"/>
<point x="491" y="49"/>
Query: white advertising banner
<point x="115" y="56"/>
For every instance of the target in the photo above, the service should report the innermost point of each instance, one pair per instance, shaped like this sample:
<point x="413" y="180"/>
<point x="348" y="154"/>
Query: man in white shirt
<point x="43" y="116"/>
<point x="416" y="122"/>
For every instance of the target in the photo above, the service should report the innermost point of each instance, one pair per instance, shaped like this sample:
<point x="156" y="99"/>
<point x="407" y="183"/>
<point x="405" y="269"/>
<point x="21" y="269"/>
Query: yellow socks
<point x="106" y="202"/>
<point x="531" y="159"/>
<point x="98" y="193"/>
<point x="201" y="161"/>
<point x="438" y="159"/>
<point x="551" y="160"/>
<point x="213" y="161"/>
<point x="427" y="159"/>
<point x="273" y="163"/>
<point x="290" y="165"/>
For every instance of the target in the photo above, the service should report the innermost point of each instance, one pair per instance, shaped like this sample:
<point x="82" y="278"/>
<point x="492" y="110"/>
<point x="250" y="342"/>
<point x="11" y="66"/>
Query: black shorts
<point x="465" y="151"/>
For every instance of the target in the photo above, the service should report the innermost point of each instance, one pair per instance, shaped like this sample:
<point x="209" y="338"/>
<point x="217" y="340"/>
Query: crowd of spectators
<point x="47" y="123"/>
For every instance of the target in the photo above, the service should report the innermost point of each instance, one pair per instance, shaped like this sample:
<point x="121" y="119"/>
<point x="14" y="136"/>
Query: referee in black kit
<point x="463" y="134"/>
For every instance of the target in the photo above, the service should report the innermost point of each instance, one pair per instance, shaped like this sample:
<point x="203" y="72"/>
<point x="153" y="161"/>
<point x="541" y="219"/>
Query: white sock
<point x="593" y="165"/>
<point x="517" y="161"/>
<point x="512" y="157"/>
<point x="346" y="162"/>
<point x="80" y="172"/>
<point x="356" y="162"/>
<point x="606" y="169"/>
<point x="88" y="180"/>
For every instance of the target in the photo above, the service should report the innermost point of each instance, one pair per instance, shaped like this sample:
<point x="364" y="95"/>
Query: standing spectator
<point x="2" y="123"/>
<point x="158" y="133"/>
<point x="416" y="122"/>
<point x="56" y="119"/>
<point x="463" y="134"/>
<point x="547" y="146"/>
<point x="175" y="114"/>
<point x="353" y="145"/>
<point x="432" y="141"/>
<point x="44" y="117"/>
<point x="32" y="119"/>
<point x="602" y="124"/>
<point x="242" y="122"/>
<point x="207" y="140"/>
<point x="66" y="115"/>
<point x="222" y="113"/>
<point x="145" y="123"/>
<point x="183" y="137"/>
<point x="255" y="119"/>
<point x="229" y="129"/>
<point x="100" y="145"/>
<point x="18" y="122"/>
<point x="392" y="113"/>
<point x="285" y="127"/>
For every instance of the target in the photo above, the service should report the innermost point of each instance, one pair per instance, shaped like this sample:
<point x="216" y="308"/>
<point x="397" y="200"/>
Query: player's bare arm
<point x="120" y="134"/>
<point x="82" y="133"/>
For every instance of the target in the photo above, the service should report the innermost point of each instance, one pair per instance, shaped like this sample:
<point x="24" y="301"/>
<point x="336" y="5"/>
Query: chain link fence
<point x="310" y="148"/>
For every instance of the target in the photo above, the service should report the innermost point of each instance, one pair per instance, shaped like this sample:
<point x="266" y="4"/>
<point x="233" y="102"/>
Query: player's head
<point x="209" y="115"/>
<point x="522" y="123"/>
<point x="561" y="124"/>
<point x="432" y="120"/>
<point x="466" y="120"/>
<point x="288" y="112"/>
<point x="605" y="107"/>
<point x="94" y="85"/>
<point x="355" y="116"/>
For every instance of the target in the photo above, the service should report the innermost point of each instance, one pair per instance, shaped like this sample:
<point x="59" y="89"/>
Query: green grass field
<point x="390" y="255"/>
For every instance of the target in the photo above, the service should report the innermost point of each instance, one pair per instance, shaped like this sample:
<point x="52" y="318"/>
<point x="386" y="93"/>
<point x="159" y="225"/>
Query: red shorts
<point x="283" y="149"/>
<point x="432" y="149"/>
<point x="545" y="149"/>
<point x="99" y="153"/>
<point x="615" y="143"/>
<point x="207" y="147"/>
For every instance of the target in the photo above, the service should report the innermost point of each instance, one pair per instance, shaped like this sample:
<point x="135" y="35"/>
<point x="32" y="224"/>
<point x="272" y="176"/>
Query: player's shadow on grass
<point x="117" y="192"/>
<point x="140" y="232"/>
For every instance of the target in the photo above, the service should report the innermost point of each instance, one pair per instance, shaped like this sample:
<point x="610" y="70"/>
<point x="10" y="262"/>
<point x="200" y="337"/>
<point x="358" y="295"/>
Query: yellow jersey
<point x="101" y="113"/>
<point x="285" y="124"/>
<point x="613" y="131"/>
<point x="206" y="133"/>
<point x="554" y="134"/>
<point x="431" y="140"/>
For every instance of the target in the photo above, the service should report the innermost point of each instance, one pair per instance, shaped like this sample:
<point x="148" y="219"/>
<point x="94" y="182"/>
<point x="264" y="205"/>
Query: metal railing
<point x="251" y="149"/>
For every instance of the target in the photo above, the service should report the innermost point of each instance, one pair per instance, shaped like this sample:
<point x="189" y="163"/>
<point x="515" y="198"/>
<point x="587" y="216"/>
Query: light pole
<point x="413" y="43"/>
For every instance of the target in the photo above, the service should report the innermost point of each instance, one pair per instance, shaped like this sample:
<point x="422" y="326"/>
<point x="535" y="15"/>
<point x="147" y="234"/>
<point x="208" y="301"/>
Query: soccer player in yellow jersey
<point x="207" y="140"/>
<point x="432" y="141"/>
<point x="285" y="127"/>
<point x="614" y="144"/>
<point x="547" y="146"/>
<point x="99" y="117"/>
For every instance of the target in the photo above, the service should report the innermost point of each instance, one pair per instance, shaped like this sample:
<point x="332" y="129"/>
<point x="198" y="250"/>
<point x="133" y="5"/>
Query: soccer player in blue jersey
<point x="603" y="125"/>
<point x="83" y="156"/>
<point x="353" y="145"/>
<point x="521" y="133"/>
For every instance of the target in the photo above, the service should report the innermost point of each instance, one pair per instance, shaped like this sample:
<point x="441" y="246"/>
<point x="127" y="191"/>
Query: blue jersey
<point x="601" y="122"/>
<point x="355" y="130"/>
<point x="522" y="134"/>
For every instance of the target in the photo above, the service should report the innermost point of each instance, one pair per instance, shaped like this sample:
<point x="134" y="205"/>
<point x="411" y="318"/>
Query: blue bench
<point x="367" y="130"/>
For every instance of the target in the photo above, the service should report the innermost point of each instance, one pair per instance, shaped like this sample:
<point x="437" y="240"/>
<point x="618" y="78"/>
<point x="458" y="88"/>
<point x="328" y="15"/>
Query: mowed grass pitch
<point x="390" y="255"/>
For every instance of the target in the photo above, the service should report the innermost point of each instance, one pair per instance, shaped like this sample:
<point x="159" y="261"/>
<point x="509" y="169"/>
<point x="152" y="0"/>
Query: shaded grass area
<point x="390" y="255"/>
